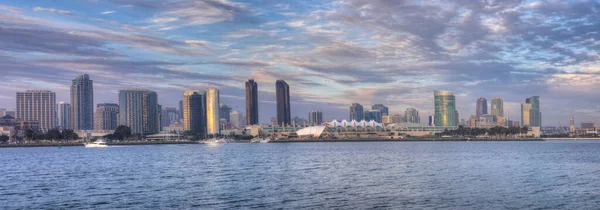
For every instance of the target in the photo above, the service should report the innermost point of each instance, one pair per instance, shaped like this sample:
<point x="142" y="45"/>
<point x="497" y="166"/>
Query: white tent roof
<point x="314" y="131"/>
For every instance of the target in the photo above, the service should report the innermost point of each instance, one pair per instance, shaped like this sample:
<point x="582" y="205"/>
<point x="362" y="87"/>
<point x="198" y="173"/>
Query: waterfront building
<point x="315" y="117"/>
<point x="383" y="109"/>
<point x="397" y="118"/>
<point x="386" y="119"/>
<point x="445" y="109"/>
<point x="411" y="115"/>
<point x="526" y="114"/>
<point x="106" y="117"/>
<point x="431" y="120"/>
<point x="251" y="102"/>
<point x="82" y="103"/>
<point x="530" y="112"/>
<point x="481" y="108"/>
<point x="588" y="126"/>
<point x="64" y="116"/>
<point x="138" y="109"/>
<point x="536" y="114"/>
<point x="168" y="115"/>
<point x="180" y="111"/>
<point x="224" y="111"/>
<point x="374" y="115"/>
<point x="194" y="112"/>
<point x="356" y="112"/>
<point x="497" y="107"/>
<point x="237" y="119"/>
<point x="298" y="121"/>
<point x="212" y="111"/>
<point x="38" y="107"/>
<point x="282" y="90"/>
<point x="274" y="121"/>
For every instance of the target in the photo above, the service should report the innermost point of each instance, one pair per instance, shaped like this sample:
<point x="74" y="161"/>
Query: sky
<point x="331" y="53"/>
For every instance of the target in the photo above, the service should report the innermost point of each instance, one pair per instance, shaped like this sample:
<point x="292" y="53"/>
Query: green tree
<point x="29" y="134"/>
<point x="69" y="134"/>
<point x="54" y="134"/>
<point x="123" y="132"/>
<point x="4" y="139"/>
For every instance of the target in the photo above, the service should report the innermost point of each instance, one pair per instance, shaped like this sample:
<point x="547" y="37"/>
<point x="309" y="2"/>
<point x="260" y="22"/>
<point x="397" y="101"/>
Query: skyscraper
<point x="251" y="102"/>
<point x="536" y="114"/>
<point x="180" y="112"/>
<point x="138" y="109"/>
<point x="106" y="117"/>
<point x="525" y="114"/>
<point x="481" y="108"/>
<point x="82" y="103"/>
<point x="497" y="107"/>
<point x="315" y="117"/>
<point x="374" y="115"/>
<point x="212" y="111"/>
<point x="194" y="112"/>
<point x="64" y="115"/>
<point x="37" y="106"/>
<point x="282" y="90"/>
<point x="237" y="119"/>
<point x="411" y="115"/>
<point x="431" y="120"/>
<point x="168" y="115"/>
<point x="445" y="109"/>
<point x="224" y="111"/>
<point x="356" y="112"/>
<point x="383" y="109"/>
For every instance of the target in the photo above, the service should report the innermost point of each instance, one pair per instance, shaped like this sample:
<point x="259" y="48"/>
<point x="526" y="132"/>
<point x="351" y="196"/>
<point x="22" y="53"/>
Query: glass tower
<point x="445" y="109"/>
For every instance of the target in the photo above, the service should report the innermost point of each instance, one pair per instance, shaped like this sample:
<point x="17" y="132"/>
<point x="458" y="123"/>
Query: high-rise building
<point x="526" y="114"/>
<point x="445" y="109"/>
<point x="237" y="119"/>
<point x="374" y="115"/>
<point x="82" y="103"/>
<point x="536" y="114"/>
<point x="168" y="115"/>
<point x="315" y="117"/>
<point x="356" y="112"/>
<point x="383" y="109"/>
<point x="180" y="111"/>
<point x="386" y="119"/>
<point x="572" y="125"/>
<point x="213" y="120"/>
<point x="138" y="109"/>
<point x="431" y="120"/>
<point x="282" y="90"/>
<point x="397" y="118"/>
<point x="411" y="115"/>
<point x="37" y="106"/>
<point x="106" y="117"/>
<point x="298" y="121"/>
<point x="251" y="102"/>
<point x="194" y="112"/>
<point x="64" y="116"/>
<point x="481" y="108"/>
<point x="497" y="107"/>
<point x="224" y="112"/>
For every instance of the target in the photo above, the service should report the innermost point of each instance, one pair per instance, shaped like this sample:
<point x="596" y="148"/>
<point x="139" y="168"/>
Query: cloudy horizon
<point x="331" y="53"/>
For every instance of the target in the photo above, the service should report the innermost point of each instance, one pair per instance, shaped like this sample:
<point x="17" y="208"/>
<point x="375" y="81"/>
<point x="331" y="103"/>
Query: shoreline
<point x="272" y="141"/>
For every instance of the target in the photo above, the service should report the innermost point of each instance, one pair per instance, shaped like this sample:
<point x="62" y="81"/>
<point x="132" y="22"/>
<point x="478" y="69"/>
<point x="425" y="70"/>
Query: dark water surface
<point x="407" y="175"/>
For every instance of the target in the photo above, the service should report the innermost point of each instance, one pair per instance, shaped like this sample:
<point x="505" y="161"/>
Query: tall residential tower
<point x="251" y="102"/>
<point x="37" y="106"/>
<point x="212" y="111"/>
<point x="445" y="109"/>
<point x="82" y="103"/>
<point x="138" y="109"/>
<point x="282" y="90"/>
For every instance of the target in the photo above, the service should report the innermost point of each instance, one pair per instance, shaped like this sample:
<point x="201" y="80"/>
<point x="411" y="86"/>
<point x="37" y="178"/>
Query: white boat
<point x="96" y="144"/>
<point x="215" y="141"/>
<point x="265" y="140"/>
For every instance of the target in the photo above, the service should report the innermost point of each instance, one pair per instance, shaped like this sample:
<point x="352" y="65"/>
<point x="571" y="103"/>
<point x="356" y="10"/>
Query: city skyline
<point x="493" y="50"/>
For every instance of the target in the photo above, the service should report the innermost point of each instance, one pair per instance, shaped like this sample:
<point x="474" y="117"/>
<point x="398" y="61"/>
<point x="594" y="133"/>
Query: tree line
<point x="497" y="131"/>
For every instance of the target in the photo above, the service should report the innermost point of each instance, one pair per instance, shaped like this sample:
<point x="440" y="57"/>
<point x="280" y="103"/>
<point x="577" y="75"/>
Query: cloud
<point x="108" y="12"/>
<point x="53" y="11"/>
<point x="180" y="14"/>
